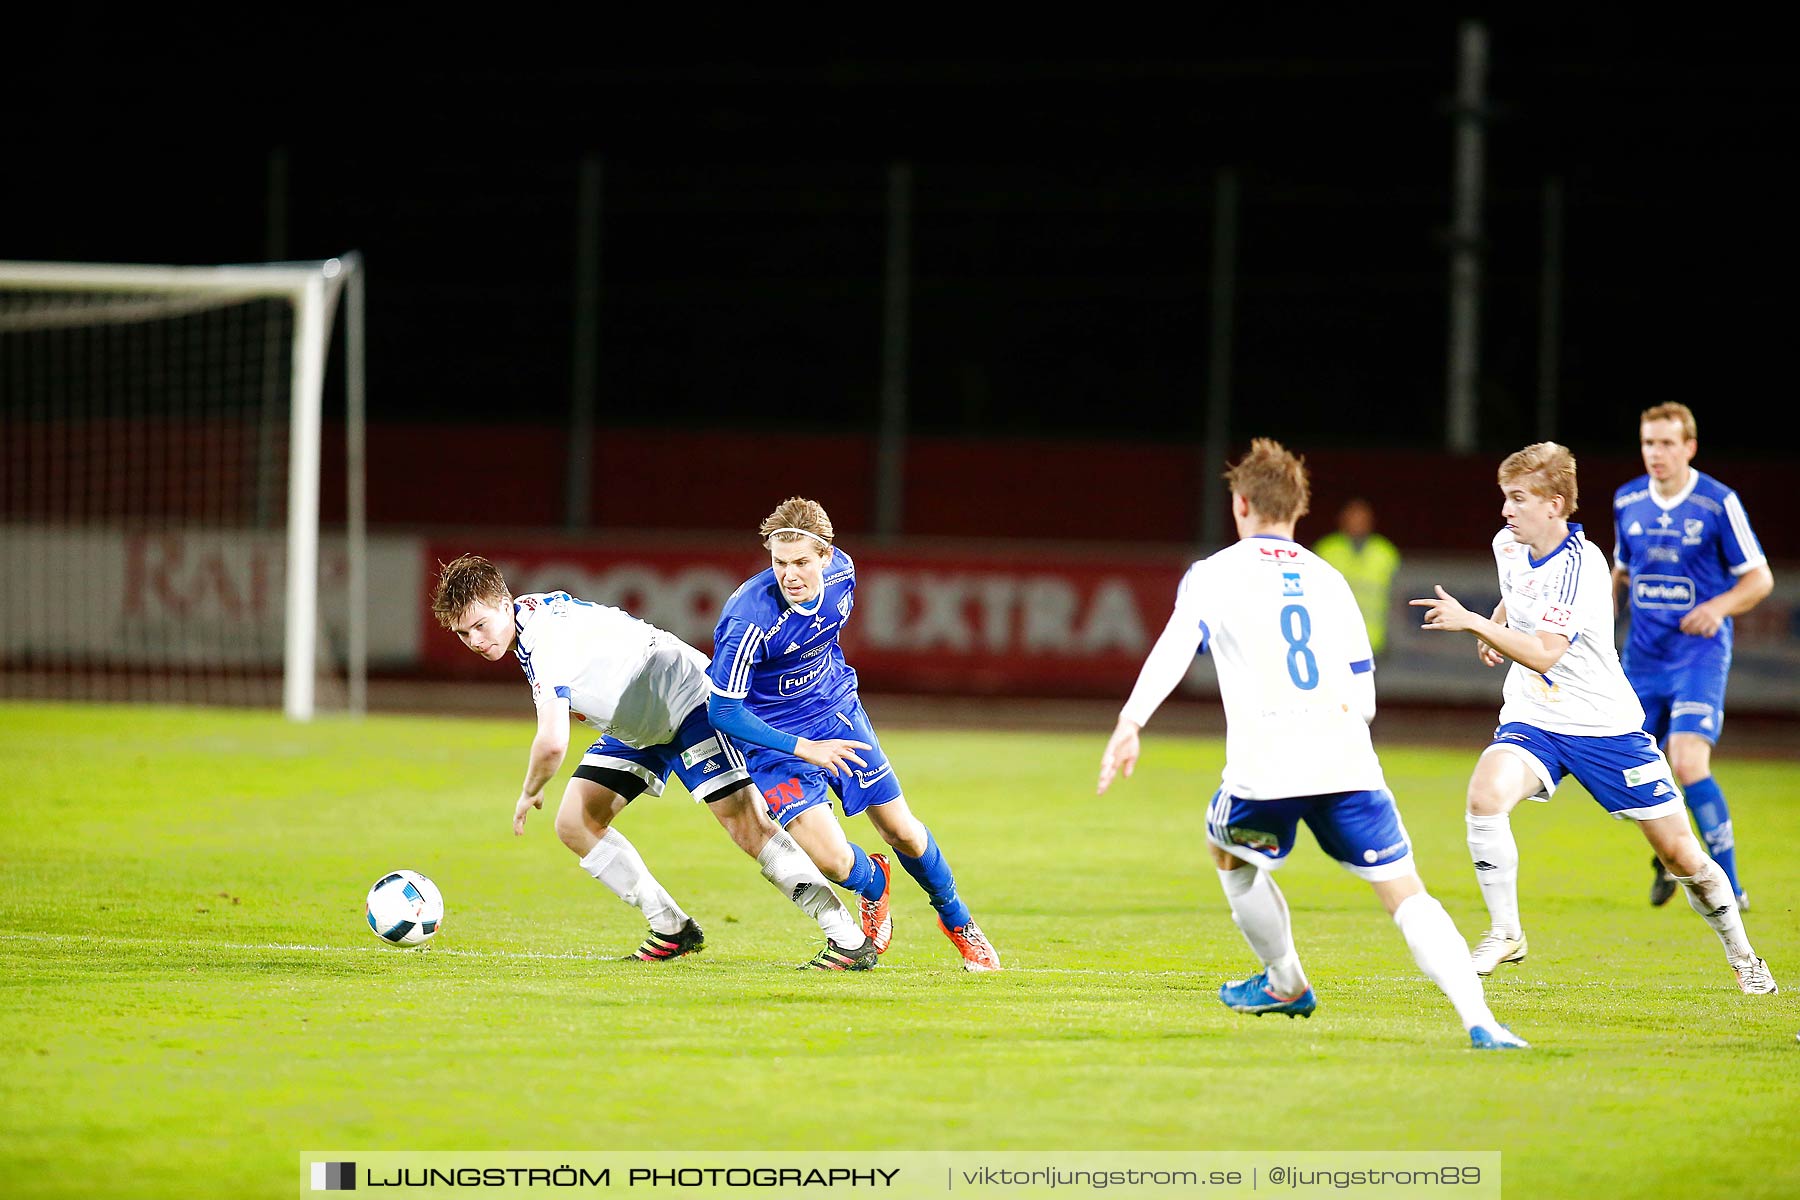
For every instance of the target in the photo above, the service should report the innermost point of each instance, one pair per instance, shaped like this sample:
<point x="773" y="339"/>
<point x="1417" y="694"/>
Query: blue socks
<point x="1707" y="803"/>
<point x="933" y="874"/>
<point x="863" y="879"/>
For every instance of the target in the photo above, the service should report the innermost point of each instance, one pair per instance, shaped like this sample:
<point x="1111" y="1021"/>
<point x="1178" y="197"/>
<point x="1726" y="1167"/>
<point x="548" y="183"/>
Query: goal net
<point x="160" y="461"/>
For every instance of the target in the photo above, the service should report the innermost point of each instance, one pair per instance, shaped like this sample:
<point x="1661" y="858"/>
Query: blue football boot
<point x="1496" y="1037"/>
<point x="1253" y="996"/>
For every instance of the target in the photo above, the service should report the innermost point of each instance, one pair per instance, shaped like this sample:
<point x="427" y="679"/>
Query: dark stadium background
<point x="1061" y="243"/>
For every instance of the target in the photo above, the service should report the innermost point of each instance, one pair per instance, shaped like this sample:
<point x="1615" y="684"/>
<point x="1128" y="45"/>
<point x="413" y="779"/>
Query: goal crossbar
<point x="312" y="288"/>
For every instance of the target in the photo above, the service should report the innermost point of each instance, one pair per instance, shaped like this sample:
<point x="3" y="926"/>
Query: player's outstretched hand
<point x="834" y="754"/>
<point x="525" y="805"/>
<point x="1120" y="756"/>
<point x="1443" y="611"/>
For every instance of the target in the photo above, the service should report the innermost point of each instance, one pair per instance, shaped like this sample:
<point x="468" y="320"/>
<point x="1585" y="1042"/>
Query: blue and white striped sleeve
<point x="735" y="650"/>
<point x="1742" y="551"/>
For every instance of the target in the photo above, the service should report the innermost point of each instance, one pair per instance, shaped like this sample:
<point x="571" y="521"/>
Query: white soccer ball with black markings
<point x="405" y="908"/>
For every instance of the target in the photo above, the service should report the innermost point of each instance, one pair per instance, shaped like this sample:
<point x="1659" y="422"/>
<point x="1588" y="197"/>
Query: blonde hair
<point x="1272" y="480"/>
<point x="1547" y="470"/>
<point x="1673" y="411"/>
<point x="797" y="512"/>
<point x="468" y="580"/>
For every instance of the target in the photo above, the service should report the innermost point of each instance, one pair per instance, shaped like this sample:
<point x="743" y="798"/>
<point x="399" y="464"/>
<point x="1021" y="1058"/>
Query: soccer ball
<point x="404" y="908"/>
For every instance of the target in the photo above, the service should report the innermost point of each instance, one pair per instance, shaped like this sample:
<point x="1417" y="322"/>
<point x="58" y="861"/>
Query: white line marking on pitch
<point x="303" y="948"/>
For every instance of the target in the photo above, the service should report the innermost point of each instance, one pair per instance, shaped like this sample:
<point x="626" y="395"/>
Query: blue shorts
<point x="1362" y="830"/>
<point x="1626" y="773"/>
<point x="706" y="761"/>
<point x="1691" y="700"/>
<point x="793" y="785"/>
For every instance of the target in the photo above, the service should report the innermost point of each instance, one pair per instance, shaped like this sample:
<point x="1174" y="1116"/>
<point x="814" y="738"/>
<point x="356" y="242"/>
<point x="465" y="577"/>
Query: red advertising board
<point x="977" y="621"/>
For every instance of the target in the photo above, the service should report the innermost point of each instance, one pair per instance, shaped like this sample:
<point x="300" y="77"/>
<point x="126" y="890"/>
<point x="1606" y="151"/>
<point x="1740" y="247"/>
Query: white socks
<point x="1442" y="955"/>
<point x="616" y="863"/>
<point x="1709" y="894"/>
<point x="1496" y="858"/>
<point x="786" y="866"/>
<point x="1261" y="912"/>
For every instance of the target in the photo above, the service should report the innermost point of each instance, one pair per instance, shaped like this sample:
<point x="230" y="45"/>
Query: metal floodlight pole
<point x="1464" y="360"/>
<point x="585" y="385"/>
<point x="891" y="444"/>
<point x="1550" y="311"/>
<point x="1218" y="371"/>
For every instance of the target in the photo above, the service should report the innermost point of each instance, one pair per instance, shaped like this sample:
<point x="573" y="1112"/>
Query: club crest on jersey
<point x="1692" y="527"/>
<point x="1290" y="584"/>
<point x="1634" y="529"/>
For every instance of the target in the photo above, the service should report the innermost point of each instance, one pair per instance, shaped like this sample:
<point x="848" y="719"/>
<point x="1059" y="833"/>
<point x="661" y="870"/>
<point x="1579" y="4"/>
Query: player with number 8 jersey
<point x="1288" y="642"/>
<point x="1297" y="678"/>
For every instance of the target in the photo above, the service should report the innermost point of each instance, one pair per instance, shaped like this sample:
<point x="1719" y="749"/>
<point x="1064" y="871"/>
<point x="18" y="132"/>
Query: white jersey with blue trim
<point x="622" y="677"/>
<point x="783" y="661"/>
<point x="1680" y="553"/>
<point x="1569" y="592"/>
<point x="1287" y="639"/>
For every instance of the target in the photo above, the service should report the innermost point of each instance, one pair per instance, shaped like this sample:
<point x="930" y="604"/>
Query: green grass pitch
<point x="192" y="998"/>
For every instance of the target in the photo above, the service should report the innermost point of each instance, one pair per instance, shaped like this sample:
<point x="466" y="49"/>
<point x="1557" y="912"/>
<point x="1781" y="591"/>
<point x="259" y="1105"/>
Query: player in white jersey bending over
<point x="644" y="692"/>
<point x="1568" y="710"/>
<point x="1296" y="675"/>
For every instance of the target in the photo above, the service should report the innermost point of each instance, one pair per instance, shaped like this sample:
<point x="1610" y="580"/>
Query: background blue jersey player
<point x="1683" y="542"/>
<point x="781" y="687"/>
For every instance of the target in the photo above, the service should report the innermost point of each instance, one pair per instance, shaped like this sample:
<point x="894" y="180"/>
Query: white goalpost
<point x="161" y="435"/>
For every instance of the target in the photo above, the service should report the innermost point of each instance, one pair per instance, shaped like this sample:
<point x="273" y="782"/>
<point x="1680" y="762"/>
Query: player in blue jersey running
<point x="1568" y="710"/>
<point x="780" y="686"/>
<point x="1683" y="543"/>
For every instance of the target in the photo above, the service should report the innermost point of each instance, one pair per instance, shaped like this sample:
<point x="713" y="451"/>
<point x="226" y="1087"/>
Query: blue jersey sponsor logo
<point x="1663" y="591"/>
<point x="792" y="683"/>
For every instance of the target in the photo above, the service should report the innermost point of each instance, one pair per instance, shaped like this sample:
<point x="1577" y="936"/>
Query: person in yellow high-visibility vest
<point x="1365" y="559"/>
